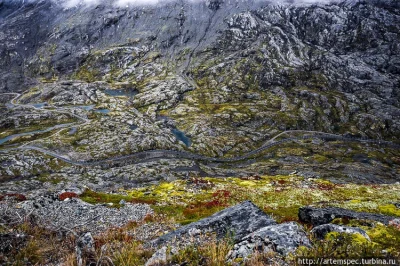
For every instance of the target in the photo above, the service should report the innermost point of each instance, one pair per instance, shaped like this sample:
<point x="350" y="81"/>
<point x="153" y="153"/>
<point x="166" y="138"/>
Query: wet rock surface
<point x="319" y="216"/>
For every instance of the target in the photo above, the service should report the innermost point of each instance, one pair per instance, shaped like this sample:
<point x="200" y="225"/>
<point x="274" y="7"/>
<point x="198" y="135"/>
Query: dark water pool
<point x="102" y="111"/>
<point x="182" y="137"/>
<point x="39" y="105"/>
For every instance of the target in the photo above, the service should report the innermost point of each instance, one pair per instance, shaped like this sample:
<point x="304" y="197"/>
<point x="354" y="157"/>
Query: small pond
<point x="179" y="135"/>
<point x="86" y="107"/>
<point x="72" y="131"/>
<point x="133" y="127"/>
<point x="39" y="105"/>
<point x="102" y="111"/>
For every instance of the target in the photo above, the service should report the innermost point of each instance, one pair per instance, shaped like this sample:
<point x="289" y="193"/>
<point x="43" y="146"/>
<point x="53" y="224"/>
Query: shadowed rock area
<point x="319" y="216"/>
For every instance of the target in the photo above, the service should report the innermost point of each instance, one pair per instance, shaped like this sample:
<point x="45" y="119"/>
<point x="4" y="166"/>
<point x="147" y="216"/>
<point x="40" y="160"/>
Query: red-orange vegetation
<point x="67" y="195"/>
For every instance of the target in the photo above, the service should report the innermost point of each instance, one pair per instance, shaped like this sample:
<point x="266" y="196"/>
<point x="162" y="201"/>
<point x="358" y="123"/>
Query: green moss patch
<point x="281" y="196"/>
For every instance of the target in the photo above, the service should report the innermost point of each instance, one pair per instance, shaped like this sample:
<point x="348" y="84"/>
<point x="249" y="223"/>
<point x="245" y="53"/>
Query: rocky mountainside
<point x="213" y="132"/>
<point x="216" y="78"/>
<point x="332" y="67"/>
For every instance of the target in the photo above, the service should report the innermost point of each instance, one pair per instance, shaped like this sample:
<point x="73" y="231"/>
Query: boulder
<point x="85" y="251"/>
<point x="239" y="220"/>
<point x="281" y="238"/>
<point x="158" y="258"/>
<point x="318" y="216"/>
<point x="395" y="223"/>
<point x="321" y="231"/>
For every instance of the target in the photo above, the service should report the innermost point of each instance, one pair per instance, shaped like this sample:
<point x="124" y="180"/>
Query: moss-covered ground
<point x="280" y="196"/>
<point x="186" y="201"/>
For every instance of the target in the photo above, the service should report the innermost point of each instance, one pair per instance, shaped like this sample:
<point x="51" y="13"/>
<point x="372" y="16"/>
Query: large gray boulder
<point x="159" y="257"/>
<point x="321" y="231"/>
<point x="282" y="238"/>
<point x="239" y="220"/>
<point x="318" y="216"/>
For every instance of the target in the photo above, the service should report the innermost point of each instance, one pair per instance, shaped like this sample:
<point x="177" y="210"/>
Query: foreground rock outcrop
<point x="252" y="231"/>
<point x="238" y="221"/>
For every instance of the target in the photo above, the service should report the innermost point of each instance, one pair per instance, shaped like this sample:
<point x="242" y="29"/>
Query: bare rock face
<point x="239" y="220"/>
<point x="251" y="228"/>
<point x="327" y="67"/>
<point x="318" y="216"/>
<point x="214" y="4"/>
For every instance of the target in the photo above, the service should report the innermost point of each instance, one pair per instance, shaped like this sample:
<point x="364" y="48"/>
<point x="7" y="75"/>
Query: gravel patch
<point x="75" y="214"/>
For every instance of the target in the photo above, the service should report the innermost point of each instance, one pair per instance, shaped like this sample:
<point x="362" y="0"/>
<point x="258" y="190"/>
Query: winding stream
<point x="40" y="106"/>
<point x="11" y="137"/>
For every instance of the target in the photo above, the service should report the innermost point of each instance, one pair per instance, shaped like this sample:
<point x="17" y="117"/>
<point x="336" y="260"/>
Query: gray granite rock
<point x="159" y="257"/>
<point x="321" y="231"/>
<point x="85" y="251"/>
<point x="282" y="238"/>
<point x="395" y="223"/>
<point x="239" y="220"/>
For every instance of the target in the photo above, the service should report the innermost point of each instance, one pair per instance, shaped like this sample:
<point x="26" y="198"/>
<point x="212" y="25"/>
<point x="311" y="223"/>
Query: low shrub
<point x="67" y="195"/>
